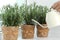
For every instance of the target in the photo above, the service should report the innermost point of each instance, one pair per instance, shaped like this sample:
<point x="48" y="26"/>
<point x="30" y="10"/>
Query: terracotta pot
<point x="27" y="31"/>
<point x="42" y="32"/>
<point x="10" y="33"/>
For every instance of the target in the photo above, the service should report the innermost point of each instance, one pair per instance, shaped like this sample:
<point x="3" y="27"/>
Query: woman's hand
<point x="56" y="6"/>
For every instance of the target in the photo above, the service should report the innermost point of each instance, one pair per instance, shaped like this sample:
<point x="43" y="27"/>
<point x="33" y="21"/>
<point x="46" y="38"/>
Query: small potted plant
<point x="40" y="18"/>
<point x="42" y="32"/>
<point x="11" y="20"/>
<point x="28" y="27"/>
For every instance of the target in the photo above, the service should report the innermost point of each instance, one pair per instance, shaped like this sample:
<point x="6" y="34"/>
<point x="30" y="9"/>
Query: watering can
<point x="53" y="18"/>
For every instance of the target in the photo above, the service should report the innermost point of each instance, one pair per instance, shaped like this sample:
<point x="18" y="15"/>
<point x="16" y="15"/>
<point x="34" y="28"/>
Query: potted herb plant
<point x="40" y="18"/>
<point x="42" y="32"/>
<point x="11" y="20"/>
<point x="28" y="27"/>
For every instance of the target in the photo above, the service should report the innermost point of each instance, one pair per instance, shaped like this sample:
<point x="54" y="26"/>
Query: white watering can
<point x="53" y="19"/>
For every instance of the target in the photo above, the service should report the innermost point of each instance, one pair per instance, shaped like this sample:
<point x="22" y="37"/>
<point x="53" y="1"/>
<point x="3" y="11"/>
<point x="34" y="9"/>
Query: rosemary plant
<point x="11" y="15"/>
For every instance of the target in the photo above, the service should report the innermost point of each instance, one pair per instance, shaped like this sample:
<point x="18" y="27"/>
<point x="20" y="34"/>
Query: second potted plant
<point x="28" y="27"/>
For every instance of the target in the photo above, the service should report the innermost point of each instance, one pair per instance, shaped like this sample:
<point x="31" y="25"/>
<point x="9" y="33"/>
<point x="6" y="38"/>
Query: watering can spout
<point x="38" y="23"/>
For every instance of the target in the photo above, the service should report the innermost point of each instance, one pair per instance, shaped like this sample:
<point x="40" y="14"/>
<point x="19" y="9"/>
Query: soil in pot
<point x="42" y="32"/>
<point x="10" y="33"/>
<point x="27" y="31"/>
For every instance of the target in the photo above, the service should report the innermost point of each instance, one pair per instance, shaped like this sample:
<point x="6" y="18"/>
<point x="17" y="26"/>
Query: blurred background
<point x="39" y="2"/>
<point x="20" y="2"/>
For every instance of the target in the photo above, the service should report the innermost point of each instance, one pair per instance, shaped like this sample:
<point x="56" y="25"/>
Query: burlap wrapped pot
<point x="27" y="31"/>
<point x="10" y="33"/>
<point x="42" y="32"/>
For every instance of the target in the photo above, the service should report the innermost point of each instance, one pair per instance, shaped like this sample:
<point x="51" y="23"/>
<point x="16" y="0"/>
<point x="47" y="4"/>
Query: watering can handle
<point x="38" y="23"/>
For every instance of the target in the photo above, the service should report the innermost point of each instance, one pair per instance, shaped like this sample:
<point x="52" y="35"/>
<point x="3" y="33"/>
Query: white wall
<point x="48" y="3"/>
<point x="20" y="2"/>
<point x="6" y="2"/>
